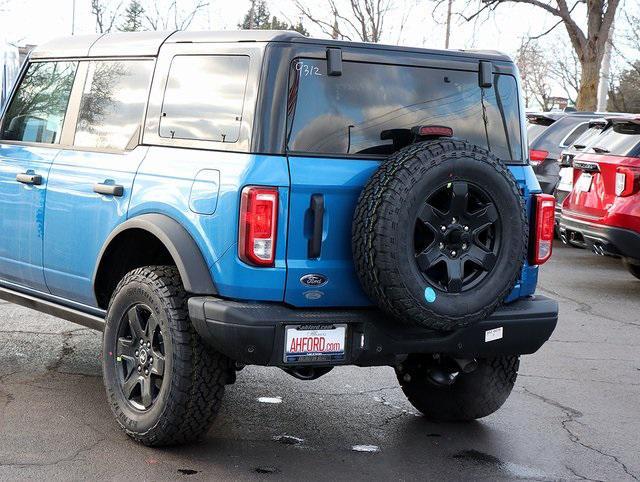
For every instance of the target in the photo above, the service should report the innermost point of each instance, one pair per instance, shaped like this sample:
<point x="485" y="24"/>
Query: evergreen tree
<point x="132" y="17"/>
<point x="259" y="18"/>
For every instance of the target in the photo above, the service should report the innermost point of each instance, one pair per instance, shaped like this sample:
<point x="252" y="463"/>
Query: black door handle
<point x="314" y="247"/>
<point x="108" y="189"/>
<point x="28" y="178"/>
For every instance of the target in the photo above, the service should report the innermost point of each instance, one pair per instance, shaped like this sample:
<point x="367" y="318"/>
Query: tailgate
<point x="336" y="184"/>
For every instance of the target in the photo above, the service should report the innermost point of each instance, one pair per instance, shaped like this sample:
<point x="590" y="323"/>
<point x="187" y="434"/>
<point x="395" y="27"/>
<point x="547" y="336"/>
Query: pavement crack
<point x="67" y="349"/>
<point x="571" y="415"/>
<point x="586" y="308"/>
<point x="579" y="476"/>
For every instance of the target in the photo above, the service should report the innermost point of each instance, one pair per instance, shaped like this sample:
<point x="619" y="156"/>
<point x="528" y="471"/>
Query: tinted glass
<point x="37" y="111"/>
<point x="534" y="130"/>
<point x="204" y="97"/>
<point x="574" y="134"/>
<point x="587" y="137"/>
<point x="619" y="140"/>
<point x="551" y="138"/>
<point x="371" y="106"/>
<point x="112" y="107"/>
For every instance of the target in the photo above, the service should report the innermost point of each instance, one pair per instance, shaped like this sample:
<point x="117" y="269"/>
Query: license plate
<point x="315" y="343"/>
<point x="566" y="179"/>
<point x="584" y="182"/>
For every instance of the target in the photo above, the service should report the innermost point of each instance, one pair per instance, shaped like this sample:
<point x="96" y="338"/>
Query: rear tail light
<point x="627" y="181"/>
<point x="545" y="214"/>
<point x="258" y="225"/>
<point x="536" y="156"/>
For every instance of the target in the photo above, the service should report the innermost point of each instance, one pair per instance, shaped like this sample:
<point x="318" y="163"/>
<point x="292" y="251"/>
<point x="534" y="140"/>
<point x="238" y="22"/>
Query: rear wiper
<point x="579" y="147"/>
<point x="600" y="150"/>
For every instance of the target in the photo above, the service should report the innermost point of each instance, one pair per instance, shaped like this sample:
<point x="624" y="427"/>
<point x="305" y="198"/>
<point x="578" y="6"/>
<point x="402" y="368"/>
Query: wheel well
<point x="129" y="250"/>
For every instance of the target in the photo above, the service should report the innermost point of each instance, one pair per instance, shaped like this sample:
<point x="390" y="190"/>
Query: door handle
<point x="108" y="189"/>
<point x="314" y="246"/>
<point x="29" y="178"/>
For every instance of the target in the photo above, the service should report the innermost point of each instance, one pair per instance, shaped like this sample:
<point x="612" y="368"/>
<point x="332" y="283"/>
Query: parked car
<point x="214" y="200"/>
<point x="538" y="122"/>
<point x="545" y="149"/>
<point x="565" y="183"/>
<point x="603" y="210"/>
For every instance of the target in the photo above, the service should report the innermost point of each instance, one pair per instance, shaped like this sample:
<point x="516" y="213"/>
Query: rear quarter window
<point x="353" y="114"/>
<point x="204" y="97"/>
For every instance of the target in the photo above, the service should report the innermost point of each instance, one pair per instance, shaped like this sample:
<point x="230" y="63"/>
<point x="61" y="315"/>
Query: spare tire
<point x="440" y="234"/>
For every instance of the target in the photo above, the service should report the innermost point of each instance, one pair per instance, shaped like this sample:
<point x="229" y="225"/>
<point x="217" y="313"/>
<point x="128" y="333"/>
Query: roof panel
<point x="129" y="44"/>
<point x="234" y="36"/>
<point x="76" y="46"/>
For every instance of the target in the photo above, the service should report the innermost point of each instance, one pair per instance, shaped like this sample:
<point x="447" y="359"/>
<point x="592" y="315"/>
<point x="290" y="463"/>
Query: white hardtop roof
<point x="146" y="43"/>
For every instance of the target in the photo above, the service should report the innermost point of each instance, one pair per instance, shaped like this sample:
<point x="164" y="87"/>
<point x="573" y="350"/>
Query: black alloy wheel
<point x="457" y="236"/>
<point x="140" y="356"/>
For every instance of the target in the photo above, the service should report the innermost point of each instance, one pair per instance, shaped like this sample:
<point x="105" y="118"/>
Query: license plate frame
<point x="309" y="342"/>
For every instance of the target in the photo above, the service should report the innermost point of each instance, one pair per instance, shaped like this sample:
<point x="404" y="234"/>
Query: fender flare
<point x="183" y="249"/>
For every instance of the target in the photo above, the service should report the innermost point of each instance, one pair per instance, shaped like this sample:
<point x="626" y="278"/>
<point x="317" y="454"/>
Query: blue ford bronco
<point x="215" y="200"/>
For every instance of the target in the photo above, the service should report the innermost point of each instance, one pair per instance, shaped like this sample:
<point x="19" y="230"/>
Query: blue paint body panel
<point x="22" y="214"/>
<point x="204" y="192"/>
<point x="164" y="185"/>
<point x="341" y="181"/>
<point x="54" y="246"/>
<point x="78" y="221"/>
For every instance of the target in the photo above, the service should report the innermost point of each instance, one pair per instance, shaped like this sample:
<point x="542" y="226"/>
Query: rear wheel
<point x="164" y="386"/>
<point x="471" y="395"/>
<point x="633" y="268"/>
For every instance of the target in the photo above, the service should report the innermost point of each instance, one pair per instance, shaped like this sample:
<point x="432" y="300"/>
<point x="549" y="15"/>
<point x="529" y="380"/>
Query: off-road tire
<point x="382" y="247"/>
<point x="195" y="376"/>
<point x="633" y="268"/>
<point x="473" y="395"/>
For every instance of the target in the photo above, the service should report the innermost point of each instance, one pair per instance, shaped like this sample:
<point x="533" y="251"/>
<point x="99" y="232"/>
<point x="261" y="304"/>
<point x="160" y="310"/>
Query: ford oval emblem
<point x="314" y="280"/>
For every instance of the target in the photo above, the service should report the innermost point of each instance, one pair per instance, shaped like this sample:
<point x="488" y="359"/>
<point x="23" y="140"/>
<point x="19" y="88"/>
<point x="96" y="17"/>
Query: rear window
<point x="622" y="139"/>
<point x="552" y="139"/>
<point x="587" y="137"/>
<point x="361" y="112"/>
<point x="534" y="130"/>
<point x="574" y="134"/>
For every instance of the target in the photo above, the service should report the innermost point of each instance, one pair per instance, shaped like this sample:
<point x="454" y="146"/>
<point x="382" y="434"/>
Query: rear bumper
<point x="603" y="239"/>
<point x="253" y="333"/>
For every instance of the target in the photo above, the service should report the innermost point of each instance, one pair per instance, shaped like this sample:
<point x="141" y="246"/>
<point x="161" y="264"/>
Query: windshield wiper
<point x="600" y="150"/>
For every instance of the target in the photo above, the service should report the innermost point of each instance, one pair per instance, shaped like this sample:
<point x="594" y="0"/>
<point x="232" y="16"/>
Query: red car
<point x="603" y="210"/>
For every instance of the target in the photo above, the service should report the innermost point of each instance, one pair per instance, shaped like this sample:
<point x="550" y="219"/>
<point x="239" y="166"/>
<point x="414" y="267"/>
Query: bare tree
<point x="566" y="70"/>
<point x="359" y="20"/>
<point x="534" y="70"/>
<point x="104" y="15"/>
<point x="161" y="15"/>
<point x="589" y="46"/>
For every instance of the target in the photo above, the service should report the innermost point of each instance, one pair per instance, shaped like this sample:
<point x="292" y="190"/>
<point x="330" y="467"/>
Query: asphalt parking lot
<point x="574" y="413"/>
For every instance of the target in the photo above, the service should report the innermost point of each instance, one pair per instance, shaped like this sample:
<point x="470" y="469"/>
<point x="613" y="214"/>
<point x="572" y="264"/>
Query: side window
<point x="38" y="108"/>
<point x="204" y="97"/>
<point x="113" y="102"/>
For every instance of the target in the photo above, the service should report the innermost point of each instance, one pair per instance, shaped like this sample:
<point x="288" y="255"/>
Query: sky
<point x="410" y="22"/>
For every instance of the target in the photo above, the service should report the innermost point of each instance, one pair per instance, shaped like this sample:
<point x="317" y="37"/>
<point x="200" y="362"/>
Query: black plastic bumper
<point x="607" y="240"/>
<point x="254" y="333"/>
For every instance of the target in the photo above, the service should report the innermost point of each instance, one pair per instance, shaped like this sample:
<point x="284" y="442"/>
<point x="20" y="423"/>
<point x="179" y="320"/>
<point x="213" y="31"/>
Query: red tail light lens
<point x="258" y="225"/>
<point x="627" y="181"/>
<point x="536" y="156"/>
<point x="545" y="217"/>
